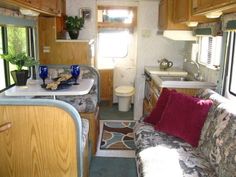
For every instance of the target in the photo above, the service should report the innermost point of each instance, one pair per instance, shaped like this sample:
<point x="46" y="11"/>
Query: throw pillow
<point x="157" y="111"/>
<point x="184" y="117"/>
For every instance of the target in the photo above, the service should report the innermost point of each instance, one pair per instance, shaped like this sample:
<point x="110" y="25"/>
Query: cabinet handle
<point x="5" y="127"/>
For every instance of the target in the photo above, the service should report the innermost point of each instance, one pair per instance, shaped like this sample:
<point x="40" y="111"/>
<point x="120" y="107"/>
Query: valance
<point x="229" y="22"/>
<point x="208" y="29"/>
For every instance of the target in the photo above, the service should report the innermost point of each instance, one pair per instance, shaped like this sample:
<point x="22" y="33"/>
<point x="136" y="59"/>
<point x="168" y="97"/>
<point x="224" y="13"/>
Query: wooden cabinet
<point x="205" y="6"/>
<point x="48" y="7"/>
<point x="31" y="3"/>
<point x="52" y="6"/>
<point x="165" y="19"/>
<point x="185" y="16"/>
<point x="52" y="51"/>
<point x="106" y="79"/>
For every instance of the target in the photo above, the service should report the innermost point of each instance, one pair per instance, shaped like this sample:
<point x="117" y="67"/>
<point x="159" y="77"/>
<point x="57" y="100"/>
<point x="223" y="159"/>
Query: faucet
<point x="197" y="75"/>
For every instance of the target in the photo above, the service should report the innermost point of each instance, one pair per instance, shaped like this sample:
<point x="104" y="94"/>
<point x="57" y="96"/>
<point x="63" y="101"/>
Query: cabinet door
<point x="30" y="3"/>
<point x="163" y="14"/>
<point x="221" y="1"/>
<point x="106" y="78"/>
<point x="181" y="10"/>
<point x="166" y="17"/>
<point x="52" y="6"/>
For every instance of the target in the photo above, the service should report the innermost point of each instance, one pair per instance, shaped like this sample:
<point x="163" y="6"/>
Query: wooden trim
<point x="117" y="24"/>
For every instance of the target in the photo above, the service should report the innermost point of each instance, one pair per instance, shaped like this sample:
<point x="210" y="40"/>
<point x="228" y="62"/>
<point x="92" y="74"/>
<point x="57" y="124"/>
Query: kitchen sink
<point x="176" y="78"/>
<point x="181" y="82"/>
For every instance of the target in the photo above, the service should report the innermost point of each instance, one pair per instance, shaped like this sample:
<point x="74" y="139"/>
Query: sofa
<point x="159" y="154"/>
<point x="86" y="105"/>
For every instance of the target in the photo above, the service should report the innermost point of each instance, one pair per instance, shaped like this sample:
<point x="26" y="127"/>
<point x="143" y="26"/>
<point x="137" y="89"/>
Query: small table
<point x="33" y="88"/>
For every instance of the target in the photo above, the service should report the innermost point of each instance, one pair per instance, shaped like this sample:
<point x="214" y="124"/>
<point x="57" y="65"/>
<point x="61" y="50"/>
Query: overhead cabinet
<point x="52" y="6"/>
<point x="205" y="6"/>
<point x="165" y="20"/>
<point x="48" y="7"/>
<point x="182" y="13"/>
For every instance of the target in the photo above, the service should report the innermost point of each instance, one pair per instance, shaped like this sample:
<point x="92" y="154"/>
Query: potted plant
<point x="73" y="25"/>
<point x="20" y="75"/>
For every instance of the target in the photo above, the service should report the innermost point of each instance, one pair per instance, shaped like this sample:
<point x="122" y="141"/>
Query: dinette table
<point x="33" y="88"/>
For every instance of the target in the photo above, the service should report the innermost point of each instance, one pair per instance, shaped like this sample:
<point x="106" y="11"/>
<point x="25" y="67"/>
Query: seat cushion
<point x="84" y="103"/>
<point x="85" y="131"/>
<point x="162" y="155"/>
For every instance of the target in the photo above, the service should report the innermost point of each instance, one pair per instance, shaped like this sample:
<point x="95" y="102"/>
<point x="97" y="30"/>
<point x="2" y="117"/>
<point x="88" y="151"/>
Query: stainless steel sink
<point x="181" y="82"/>
<point x="176" y="78"/>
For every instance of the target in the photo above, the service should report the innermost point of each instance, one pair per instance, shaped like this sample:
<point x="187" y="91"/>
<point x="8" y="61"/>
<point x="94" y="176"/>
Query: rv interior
<point x="117" y="88"/>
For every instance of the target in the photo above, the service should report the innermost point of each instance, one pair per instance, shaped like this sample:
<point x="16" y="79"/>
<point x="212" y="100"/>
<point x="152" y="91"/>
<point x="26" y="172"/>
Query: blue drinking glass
<point x="43" y="73"/>
<point x="75" y="71"/>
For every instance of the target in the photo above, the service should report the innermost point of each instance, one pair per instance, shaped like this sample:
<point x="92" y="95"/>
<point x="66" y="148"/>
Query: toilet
<point x="124" y="94"/>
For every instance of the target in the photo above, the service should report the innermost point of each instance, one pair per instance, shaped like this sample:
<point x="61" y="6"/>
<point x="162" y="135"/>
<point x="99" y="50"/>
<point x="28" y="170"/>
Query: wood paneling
<point x="40" y="143"/>
<point x="184" y="16"/>
<point x="106" y="79"/>
<point x="63" y="52"/>
<point x="93" y="127"/>
<point x="45" y="7"/>
<point x="165" y="20"/>
<point x="205" y="6"/>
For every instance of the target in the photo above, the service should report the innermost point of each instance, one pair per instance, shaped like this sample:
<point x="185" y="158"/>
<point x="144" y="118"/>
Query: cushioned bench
<point x="86" y="105"/>
<point x="160" y="154"/>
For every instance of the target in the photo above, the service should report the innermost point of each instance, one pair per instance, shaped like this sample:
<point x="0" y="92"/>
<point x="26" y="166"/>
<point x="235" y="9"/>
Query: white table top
<point x="33" y="88"/>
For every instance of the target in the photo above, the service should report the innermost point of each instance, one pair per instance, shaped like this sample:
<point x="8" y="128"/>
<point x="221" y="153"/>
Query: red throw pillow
<point x="157" y="111"/>
<point x="184" y="117"/>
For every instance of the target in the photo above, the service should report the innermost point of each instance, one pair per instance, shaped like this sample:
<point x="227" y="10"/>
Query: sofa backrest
<point x="218" y="136"/>
<point x="40" y="137"/>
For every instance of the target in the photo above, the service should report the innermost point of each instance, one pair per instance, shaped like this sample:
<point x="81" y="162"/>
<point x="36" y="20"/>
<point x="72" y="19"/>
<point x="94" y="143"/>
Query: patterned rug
<point x="118" y="135"/>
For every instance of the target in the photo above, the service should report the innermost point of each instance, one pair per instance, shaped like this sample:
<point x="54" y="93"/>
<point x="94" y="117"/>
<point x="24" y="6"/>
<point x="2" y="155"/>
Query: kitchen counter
<point x="155" y="72"/>
<point x="174" y="71"/>
<point x="182" y="84"/>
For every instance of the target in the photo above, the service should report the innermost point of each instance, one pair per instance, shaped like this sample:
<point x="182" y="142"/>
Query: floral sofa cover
<point x="162" y="155"/>
<point x="83" y="103"/>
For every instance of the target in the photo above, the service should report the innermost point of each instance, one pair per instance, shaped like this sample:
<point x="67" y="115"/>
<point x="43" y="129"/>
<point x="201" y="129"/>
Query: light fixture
<point x="192" y="24"/>
<point x="214" y="14"/>
<point x="28" y="12"/>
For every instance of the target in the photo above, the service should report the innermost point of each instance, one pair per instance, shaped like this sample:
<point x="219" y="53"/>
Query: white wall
<point x="152" y="47"/>
<point x="72" y="9"/>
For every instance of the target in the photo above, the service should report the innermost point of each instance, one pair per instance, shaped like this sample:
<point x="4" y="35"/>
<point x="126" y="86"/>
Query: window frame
<point x="31" y="51"/>
<point x="212" y="61"/>
<point x="231" y="64"/>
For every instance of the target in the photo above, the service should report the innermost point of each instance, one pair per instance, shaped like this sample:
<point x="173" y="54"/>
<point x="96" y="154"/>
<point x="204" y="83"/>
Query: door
<point x="106" y="79"/>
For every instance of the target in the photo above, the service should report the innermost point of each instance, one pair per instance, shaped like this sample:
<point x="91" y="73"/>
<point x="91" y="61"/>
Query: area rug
<point x="117" y="135"/>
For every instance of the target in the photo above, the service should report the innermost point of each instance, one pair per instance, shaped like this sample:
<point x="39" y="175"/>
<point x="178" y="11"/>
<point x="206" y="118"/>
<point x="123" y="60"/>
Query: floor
<point x="113" y="163"/>
<point x="108" y="112"/>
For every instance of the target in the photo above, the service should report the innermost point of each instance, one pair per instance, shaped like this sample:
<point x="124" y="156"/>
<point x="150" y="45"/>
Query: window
<point x="14" y="39"/>
<point x="116" y="27"/>
<point x="229" y="80"/>
<point x="210" y="51"/>
<point x="118" y="40"/>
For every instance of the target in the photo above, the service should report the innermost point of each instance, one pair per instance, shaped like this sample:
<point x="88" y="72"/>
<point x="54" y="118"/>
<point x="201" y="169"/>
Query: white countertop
<point x="182" y="84"/>
<point x="33" y="88"/>
<point x="173" y="71"/>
